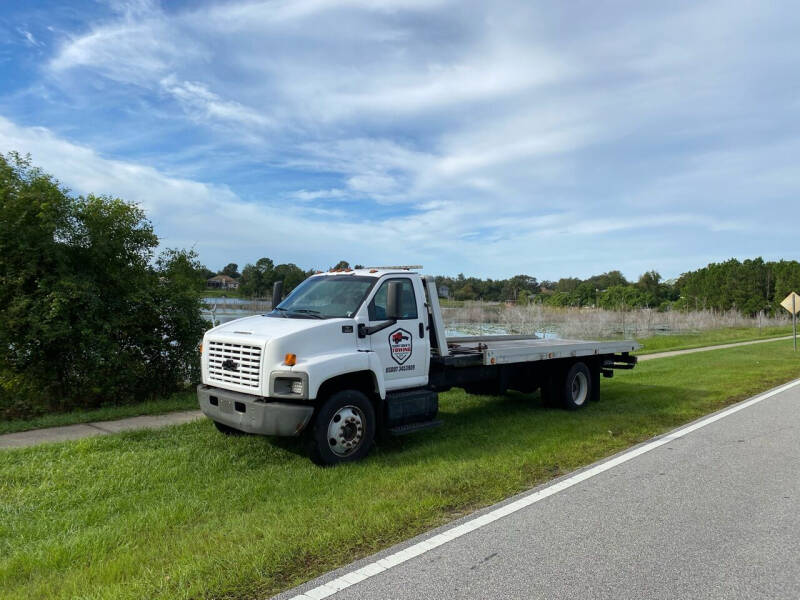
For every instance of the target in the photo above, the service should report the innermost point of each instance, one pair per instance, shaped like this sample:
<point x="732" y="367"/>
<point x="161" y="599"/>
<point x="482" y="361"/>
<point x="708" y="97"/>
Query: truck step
<point x="414" y="427"/>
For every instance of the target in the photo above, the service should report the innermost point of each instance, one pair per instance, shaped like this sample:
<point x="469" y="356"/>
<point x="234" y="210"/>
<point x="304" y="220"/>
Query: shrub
<point x="86" y="318"/>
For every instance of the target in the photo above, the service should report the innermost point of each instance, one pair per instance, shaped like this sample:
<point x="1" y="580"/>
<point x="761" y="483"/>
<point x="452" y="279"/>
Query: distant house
<point x="444" y="291"/>
<point x="222" y="282"/>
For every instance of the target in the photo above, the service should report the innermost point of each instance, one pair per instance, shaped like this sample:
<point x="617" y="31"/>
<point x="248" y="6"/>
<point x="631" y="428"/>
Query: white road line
<point x="345" y="581"/>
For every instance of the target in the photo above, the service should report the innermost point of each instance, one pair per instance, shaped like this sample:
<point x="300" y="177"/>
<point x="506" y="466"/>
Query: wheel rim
<point x="346" y="430"/>
<point x="580" y="388"/>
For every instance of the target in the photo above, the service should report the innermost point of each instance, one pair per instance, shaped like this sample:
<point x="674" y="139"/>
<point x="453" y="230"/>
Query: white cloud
<point x="538" y="132"/>
<point x="205" y="105"/>
<point x="312" y="195"/>
<point x="221" y="225"/>
<point x="30" y="40"/>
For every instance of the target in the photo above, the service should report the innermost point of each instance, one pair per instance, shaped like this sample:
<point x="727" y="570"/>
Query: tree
<point x="290" y="274"/>
<point x="512" y="287"/>
<point x="466" y="292"/>
<point x="85" y="316"/>
<point x="257" y="279"/>
<point x="231" y="270"/>
<point x="749" y="286"/>
<point x="649" y="283"/>
<point x="182" y="267"/>
<point x="558" y="299"/>
<point x="786" y="278"/>
<point x="567" y="284"/>
<point x="622" y="297"/>
<point x="606" y="280"/>
<point x="584" y="294"/>
<point x="342" y="265"/>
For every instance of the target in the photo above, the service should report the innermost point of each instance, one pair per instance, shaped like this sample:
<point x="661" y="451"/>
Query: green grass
<point x="184" y="512"/>
<point x="179" y="401"/>
<point x="730" y="335"/>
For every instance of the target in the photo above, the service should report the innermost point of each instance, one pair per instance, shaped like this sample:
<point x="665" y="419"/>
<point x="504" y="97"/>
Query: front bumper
<point x="252" y="414"/>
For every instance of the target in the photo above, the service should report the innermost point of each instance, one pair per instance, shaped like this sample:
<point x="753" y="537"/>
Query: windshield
<point x="326" y="297"/>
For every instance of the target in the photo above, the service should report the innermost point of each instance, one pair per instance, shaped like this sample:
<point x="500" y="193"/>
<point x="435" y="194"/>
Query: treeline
<point x="749" y="286"/>
<point x="256" y="280"/>
<point x="607" y="290"/>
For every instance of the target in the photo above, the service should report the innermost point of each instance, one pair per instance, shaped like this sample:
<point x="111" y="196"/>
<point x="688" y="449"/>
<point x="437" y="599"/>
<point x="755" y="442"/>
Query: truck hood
<point x="261" y="328"/>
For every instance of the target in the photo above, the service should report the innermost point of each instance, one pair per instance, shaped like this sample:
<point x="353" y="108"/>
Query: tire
<point x="576" y="389"/>
<point x="344" y="429"/>
<point x="227" y="429"/>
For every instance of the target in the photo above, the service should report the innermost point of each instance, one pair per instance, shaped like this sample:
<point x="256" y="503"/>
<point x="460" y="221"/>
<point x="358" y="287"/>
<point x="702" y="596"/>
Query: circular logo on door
<point x="400" y="345"/>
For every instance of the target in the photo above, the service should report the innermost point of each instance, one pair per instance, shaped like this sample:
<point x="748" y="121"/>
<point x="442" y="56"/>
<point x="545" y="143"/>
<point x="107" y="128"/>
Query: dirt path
<point x="707" y="348"/>
<point x="83" y="430"/>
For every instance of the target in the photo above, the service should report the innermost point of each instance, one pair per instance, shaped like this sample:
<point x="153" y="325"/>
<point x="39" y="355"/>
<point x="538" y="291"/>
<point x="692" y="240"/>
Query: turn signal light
<point x="200" y="348"/>
<point x="290" y="360"/>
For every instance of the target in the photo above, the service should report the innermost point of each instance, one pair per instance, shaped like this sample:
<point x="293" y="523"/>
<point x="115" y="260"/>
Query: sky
<point x="491" y="138"/>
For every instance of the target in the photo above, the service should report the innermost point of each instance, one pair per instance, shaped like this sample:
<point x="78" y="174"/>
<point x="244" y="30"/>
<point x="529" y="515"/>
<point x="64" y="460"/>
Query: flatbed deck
<point x="498" y="350"/>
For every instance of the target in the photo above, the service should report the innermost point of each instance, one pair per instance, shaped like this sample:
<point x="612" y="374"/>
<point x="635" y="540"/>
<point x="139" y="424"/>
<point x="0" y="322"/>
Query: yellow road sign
<point x="791" y="303"/>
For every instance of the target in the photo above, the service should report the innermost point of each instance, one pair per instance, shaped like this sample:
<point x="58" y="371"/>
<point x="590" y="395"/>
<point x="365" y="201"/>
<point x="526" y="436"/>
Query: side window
<point x="408" y="302"/>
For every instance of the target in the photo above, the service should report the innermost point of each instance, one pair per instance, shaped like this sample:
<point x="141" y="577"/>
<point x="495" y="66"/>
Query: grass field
<point x="729" y="335"/>
<point x="183" y="512"/>
<point x="179" y="401"/>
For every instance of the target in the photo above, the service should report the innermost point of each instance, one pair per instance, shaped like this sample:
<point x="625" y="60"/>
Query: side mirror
<point x="393" y="300"/>
<point x="277" y="293"/>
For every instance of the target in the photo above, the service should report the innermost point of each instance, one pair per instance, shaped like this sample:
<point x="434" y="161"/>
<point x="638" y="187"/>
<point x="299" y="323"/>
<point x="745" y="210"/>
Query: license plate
<point x="226" y="405"/>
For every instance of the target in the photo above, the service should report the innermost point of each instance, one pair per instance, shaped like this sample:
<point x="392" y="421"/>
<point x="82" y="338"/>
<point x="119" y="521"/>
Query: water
<point x="225" y="309"/>
<point x="470" y="329"/>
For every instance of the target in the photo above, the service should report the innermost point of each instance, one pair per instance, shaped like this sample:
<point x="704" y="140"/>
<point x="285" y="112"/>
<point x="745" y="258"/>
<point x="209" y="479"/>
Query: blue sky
<point x="552" y="139"/>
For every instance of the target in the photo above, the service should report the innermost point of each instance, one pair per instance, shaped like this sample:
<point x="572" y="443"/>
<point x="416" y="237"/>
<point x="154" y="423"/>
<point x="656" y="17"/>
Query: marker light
<point x="290" y="360"/>
<point x="200" y="348"/>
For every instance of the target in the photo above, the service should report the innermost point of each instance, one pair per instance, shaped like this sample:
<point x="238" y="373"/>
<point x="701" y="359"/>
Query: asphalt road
<point x="714" y="513"/>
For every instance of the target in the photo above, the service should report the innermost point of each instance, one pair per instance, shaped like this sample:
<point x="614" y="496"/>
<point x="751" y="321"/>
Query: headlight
<point x="288" y="386"/>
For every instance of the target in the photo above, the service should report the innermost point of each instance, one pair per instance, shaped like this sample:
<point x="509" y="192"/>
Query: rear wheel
<point x="576" y="389"/>
<point x="344" y="429"/>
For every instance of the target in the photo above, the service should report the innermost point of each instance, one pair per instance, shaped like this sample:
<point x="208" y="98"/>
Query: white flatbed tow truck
<point x="352" y="355"/>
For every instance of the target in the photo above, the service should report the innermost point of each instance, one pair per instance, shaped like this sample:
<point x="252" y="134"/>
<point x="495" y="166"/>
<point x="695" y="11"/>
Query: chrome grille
<point x="243" y="363"/>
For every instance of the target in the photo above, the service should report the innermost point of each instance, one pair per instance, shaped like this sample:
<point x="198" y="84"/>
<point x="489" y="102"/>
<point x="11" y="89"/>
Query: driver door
<point x="403" y="348"/>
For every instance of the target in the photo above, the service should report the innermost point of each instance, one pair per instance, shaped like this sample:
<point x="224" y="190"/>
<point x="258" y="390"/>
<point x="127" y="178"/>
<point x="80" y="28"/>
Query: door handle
<point x="421" y="331"/>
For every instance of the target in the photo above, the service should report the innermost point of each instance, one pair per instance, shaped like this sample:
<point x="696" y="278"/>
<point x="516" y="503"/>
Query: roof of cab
<point x="371" y="271"/>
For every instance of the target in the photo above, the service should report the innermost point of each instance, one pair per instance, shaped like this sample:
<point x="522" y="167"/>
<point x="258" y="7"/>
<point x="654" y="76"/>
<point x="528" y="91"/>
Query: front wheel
<point x="577" y="387"/>
<point x="344" y="429"/>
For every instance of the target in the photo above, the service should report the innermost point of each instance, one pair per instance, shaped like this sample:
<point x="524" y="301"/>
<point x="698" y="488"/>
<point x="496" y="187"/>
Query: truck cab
<point x="350" y="355"/>
<point x="356" y="334"/>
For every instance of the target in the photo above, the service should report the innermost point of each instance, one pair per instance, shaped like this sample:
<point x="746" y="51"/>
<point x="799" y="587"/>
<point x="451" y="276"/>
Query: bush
<point x="86" y="318"/>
